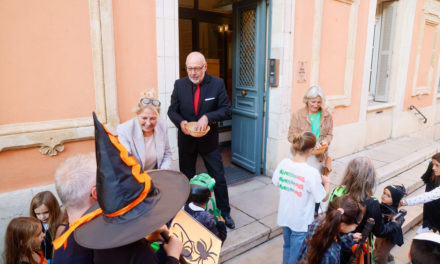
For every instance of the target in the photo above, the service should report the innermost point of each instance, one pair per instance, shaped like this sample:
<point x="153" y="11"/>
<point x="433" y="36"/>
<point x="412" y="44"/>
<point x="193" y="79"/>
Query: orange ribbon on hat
<point x="84" y="219"/>
<point x="136" y="172"/>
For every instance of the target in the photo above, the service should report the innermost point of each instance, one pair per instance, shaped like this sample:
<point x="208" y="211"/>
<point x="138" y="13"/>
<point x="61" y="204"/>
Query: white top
<point x="150" y="153"/>
<point x="300" y="188"/>
<point x="425" y="197"/>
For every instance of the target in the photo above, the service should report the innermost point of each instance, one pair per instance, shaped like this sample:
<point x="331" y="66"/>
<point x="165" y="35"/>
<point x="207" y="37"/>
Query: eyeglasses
<point x="153" y="102"/>
<point x="197" y="69"/>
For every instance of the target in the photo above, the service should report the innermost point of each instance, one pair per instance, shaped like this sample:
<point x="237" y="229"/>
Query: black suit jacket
<point x="214" y="103"/>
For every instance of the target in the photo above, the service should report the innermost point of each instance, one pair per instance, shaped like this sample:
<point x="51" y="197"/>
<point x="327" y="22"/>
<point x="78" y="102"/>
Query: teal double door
<point x="248" y="84"/>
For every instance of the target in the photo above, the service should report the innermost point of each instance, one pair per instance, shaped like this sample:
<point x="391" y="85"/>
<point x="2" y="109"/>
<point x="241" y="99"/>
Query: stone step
<point x="409" y="178"/>
<point x="415" y="213"/>
<point x="397" y="163"/>
<point x="254" y="208"/>
<point x="402" y="165"/>
<point x="414" y="186"/>
<point x="400" y="254"/>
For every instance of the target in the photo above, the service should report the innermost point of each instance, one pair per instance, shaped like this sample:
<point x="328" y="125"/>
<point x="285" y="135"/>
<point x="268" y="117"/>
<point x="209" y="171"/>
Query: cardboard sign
<point x="199" y="244"/>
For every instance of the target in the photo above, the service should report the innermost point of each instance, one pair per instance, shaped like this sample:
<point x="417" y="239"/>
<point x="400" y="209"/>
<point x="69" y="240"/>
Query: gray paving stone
<point x="249" y="186"/>
<point x="346" y="159"/>
<point x="386" y="157"/>
<point x="257" y="203"/>
<point x="377" y="163"/>
<point x="421" y="154"/>
<point x="401" y="253"/>
<point x="338" y="169"/>
<point x="271" y="222"/>
<point x="393" y="147"/>
<point x="240" y="218"/>
<point x="413" y="143"/>
<point x="390" y="170"/>
<point x="264" y="179"/>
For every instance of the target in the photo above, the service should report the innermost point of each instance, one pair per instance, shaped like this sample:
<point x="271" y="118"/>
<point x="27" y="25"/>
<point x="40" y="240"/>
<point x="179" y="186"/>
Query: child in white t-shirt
<point x="301" y="186"/>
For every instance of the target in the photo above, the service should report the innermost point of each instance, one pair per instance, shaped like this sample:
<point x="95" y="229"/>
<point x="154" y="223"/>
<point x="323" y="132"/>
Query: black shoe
<point x="229" y="222"/>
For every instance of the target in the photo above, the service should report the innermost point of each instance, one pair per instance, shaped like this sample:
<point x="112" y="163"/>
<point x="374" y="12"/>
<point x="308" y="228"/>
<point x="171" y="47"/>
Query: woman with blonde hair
<point x="301" y="186"/>
<point x="146" y="135"/>
<point x="358" y="183"/>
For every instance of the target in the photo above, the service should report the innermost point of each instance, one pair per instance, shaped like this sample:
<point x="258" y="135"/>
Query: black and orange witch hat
<point x="131" y="203"/>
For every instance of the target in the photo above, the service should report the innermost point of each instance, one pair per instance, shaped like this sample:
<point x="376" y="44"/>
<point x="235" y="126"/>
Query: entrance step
<point x="414" y="186"/>
<point x="254" y="204"/>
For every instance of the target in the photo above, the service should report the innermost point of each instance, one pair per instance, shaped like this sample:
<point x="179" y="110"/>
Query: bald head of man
<point x="196" y="67"/>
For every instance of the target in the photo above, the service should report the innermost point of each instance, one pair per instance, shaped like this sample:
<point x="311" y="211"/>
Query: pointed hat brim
<point x="173" y="190"/>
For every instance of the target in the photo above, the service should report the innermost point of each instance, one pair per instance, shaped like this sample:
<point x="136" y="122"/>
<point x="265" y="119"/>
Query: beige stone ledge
<point x="377" y="106"/>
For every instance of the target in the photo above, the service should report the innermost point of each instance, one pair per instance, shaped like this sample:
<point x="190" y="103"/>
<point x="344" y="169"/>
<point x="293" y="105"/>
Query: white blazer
<point x="131" y="136"/>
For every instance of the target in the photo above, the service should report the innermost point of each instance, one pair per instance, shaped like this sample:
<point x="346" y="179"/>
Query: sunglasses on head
<point x="153" y="102"/>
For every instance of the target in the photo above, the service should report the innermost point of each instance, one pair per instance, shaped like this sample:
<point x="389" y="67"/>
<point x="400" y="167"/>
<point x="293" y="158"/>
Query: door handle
<point x="243" y="92"/>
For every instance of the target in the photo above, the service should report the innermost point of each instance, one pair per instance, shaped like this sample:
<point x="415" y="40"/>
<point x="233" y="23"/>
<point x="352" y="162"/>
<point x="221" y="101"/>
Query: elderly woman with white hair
<point x="146" y="136"/>
<point x="315" y="118"/>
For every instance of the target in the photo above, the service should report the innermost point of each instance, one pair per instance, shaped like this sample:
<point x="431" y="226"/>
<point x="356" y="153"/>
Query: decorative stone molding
<point x="345" y="98"/>
<point x="51" y="135"/>
<point x="51" y="150"/>
<point x="346" y="1"/>
<point x="433" y="20"/>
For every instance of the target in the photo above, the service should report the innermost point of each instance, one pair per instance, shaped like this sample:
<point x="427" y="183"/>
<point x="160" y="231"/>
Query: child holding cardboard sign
<point x="201" y="186"/>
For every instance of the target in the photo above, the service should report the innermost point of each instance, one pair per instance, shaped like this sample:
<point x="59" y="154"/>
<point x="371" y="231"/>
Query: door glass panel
<point x="211" y="45"/>
<point x="186" y="3"/>
<point x="185" y="43"/>
<point x="247" y="48"/>
<point x="219" y="6"/>
<point x="215" y="43"/>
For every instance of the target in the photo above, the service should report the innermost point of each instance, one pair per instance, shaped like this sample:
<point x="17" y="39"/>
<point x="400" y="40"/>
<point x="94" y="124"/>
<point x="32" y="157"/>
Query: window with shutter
<point x="381" y="64"/>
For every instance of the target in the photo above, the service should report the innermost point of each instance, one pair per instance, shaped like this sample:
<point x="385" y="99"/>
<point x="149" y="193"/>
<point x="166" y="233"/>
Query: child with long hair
<point x="44" y="207"/>
<point x="358" y="183"/>
<point x="328" y="234"/>
<point x="22" y="242"/>
<point x="431" y="198"/>
<point x="301" y="186"/>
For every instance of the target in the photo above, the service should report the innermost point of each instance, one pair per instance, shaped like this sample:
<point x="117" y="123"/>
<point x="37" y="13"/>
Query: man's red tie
<point x="197" y="99"/>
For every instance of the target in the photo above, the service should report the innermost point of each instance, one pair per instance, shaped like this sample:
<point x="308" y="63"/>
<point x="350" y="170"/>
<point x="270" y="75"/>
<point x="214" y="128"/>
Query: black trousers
<point x="214" y="165"/>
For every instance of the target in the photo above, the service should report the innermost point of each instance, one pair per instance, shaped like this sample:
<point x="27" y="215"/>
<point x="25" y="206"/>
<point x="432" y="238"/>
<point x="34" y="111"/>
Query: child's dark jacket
<point x="206" y="219"/>
<point x="395" y="236"/>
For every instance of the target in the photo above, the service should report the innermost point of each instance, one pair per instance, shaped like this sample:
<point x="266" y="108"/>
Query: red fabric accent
<point x="42" y="258"/>
<point x="197" y="99"/>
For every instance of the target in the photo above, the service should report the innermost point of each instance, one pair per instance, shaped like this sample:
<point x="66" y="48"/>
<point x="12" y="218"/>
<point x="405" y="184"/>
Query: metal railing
<point x="412" y="107"/>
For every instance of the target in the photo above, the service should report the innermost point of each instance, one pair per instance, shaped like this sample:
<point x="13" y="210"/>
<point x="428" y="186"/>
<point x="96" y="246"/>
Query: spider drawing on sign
<point x="203" y="251"/>
<point x="188" y="244"/>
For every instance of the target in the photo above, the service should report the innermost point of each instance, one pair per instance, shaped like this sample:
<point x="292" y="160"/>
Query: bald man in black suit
<point x="201" y="97"/>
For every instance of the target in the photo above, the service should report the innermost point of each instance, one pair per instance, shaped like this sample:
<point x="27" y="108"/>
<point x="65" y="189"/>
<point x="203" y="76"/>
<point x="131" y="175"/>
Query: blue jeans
<point x="292" y="244"/>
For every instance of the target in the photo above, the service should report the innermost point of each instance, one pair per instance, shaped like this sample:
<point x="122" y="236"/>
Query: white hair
<point x="313" y="92"/>
<point x="74" y="180"/>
